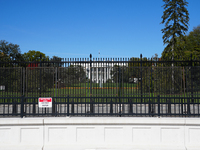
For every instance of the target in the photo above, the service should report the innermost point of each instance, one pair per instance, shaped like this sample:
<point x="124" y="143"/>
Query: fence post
<point x="182" y="106"/>
<point x="53" y="108"/>
<point x="130" y="106"/>
<point x="34" y="106"/>
<point x="151" y="89"/>
<point x="56" y="90"/>
<point x="169" y="106"/>
<point x="111" y="106"/>
<point x="22" y="106"/>
<point x="40" y="74"/>
<point x="14" y="107"/>
<point x="68" y="105"/>
<point x="91" y="100"/>
<point x="188" y="100"/>
<point x="192" y="77"/>
<point x="119" y="93"/>
<point x="120" y="107"/>
<point x="141" y="75"/>
<point x="158" y="105"/>
<point x="150" y="108"/>
<point x="72" y="106"/>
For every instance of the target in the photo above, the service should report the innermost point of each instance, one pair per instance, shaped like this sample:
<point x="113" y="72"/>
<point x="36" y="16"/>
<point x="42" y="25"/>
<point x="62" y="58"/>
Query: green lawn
<point x="108" y="92"/>
<point x="105" y="94"/>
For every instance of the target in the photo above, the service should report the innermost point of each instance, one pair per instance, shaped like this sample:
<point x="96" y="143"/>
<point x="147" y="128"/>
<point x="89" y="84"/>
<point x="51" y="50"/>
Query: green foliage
<point x="184" y="47"/>
<point x="118" y="74"/>
<point x="176" y="18"/>
<point x="134" y="66"/>
<point x="39" y="80"/>
<point x="57" y="62"/>
<point x="10" y="51"/>
<point x="72" y="75"/>
<point x="192" y="44"/>
<point x="11" y="79"/>
<point x="33" y="55"/>
<point x="178" y="50"/>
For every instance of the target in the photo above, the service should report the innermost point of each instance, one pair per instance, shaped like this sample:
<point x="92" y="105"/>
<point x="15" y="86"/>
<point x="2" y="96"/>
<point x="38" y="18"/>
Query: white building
<point x="100" y="71"/>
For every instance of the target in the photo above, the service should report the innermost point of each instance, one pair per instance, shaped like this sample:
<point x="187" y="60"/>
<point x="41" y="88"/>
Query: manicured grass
<point x="128" y="92"/>
<point x="100" y="95"/>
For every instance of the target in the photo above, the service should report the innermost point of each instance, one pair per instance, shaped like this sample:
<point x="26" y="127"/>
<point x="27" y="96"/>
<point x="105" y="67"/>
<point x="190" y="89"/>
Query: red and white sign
<point x="45" y="102"/>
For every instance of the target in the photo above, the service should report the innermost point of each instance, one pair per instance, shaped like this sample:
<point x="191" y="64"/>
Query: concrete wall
<point x="100" y="133"/>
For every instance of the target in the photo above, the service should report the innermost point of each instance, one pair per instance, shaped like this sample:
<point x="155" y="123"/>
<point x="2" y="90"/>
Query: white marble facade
<point x="100" y="72"/>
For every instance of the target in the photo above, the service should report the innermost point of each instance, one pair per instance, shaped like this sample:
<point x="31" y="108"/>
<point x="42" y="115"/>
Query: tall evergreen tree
<point x="176" y="18"/>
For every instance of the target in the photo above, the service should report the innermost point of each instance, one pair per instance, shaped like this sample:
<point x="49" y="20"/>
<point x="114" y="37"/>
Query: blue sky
<point x="76" y="28"/>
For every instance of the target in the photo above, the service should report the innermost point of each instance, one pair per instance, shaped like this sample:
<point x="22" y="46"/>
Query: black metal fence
<point x="100" y="87"/>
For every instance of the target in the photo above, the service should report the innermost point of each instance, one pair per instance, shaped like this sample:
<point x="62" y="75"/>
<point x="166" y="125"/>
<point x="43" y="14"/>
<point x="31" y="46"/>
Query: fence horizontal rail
<point x="68" y="106"/>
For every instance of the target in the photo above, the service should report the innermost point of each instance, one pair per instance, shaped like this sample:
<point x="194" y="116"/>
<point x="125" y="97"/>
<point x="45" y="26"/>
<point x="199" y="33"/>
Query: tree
<point x="11" y="79"/>
<point x="10" y="51"/>
<point x="178" y="50"/>
<point x="184" y="47"/>
<point x="33" y="55"/>
<point x="133" y="68"/>
<point x="119" y="74"/>
<point x="137" y="67"/>
<point x="176" y="18"/>
<point x="192" y="45"/>
<point x="39" y="80"/>
<point x="72" y="75"/>
<point x="56" y="61"/>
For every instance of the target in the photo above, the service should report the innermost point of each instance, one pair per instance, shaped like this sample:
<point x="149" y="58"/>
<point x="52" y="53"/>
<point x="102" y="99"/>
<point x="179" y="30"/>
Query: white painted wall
<point x="100" y="133"/>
